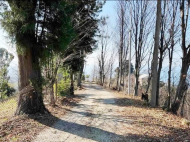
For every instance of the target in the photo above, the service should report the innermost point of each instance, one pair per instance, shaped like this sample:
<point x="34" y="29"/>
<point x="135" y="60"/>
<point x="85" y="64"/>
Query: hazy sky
<point x="13" y="68"/>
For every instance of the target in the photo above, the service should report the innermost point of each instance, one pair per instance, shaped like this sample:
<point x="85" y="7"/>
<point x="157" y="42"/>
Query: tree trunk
<point x="183" y="103"/>
<point x="149" y="75"/>
<point x="80" y="76"/>
<point x="118" y="78"/>
<point x="153" y="101"/>
<point x="56" y="90"/>
<point x="136" y="83"/>
<point x="52" y="100"/>
<point x="170" y="69"/>
<point x="182" y="87"/>
<point x="110" y="75"/>
<point x="158" y="79"/>
<point x="30" y="99"/>
<point x="169" y="78"/>
<point x="121" y="49"/>
<point x="72" y="84"/>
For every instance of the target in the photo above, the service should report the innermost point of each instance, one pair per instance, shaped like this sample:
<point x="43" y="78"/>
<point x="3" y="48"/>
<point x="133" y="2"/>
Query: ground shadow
<point x="124" y="102"/>
<point x="100" y="135"/>
<point x="94" y="86"/>
<point x="83" y="131"/>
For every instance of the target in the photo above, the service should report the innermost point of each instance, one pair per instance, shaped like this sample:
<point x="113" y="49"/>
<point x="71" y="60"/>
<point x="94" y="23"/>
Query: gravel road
<point x="95" y="118"/>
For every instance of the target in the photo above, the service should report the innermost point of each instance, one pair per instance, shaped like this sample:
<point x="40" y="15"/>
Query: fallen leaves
<point x="25" y="128"/>
<point x="154" y="123"/>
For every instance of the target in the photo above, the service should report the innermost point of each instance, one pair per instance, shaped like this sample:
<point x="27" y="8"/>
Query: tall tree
<point x="121" y="17"/>
<point x="86" y="26"/>
<point x="141" y="30"/>
<point x="182" y="86"/>
<point x="154" y="101"/>
<point x="32" y="24"/>
<point x="102" y="58"/>
<point x="19" y="22"/>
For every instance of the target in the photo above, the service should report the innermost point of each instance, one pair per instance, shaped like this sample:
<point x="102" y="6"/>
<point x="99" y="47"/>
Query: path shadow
<point x="101" y="135"/>
<point x="123" y="102"/>
<point x="94" y="86"/>
<point x="83" y="131"/>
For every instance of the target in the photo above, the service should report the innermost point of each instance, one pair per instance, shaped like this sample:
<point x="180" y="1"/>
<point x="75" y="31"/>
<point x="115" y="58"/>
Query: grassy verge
<point x="7" y="109"/>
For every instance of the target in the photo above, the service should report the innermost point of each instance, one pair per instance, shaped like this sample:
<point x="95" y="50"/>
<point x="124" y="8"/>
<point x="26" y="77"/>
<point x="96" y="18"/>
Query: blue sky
<point x="109" y="9"/>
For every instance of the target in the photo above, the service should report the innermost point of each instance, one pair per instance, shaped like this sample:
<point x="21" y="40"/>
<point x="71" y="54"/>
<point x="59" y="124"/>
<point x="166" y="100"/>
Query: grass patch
<point x="7" y="109"/>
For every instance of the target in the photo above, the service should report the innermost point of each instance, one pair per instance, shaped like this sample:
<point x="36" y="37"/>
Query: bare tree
<point x="167" y="24"/>
<point x="110" y="65"/>
<point x="142" y="26"/>
<point x="182" y="86"/>
<point x="121" y="18"/>
<point x="153" y="101"/>
<point x="103" y="55"/>
<point x="171" y="49"/>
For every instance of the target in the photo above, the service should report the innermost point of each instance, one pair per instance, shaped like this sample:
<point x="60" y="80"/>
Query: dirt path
<point x="105" y="116"/>
<point x="95" y="118"/>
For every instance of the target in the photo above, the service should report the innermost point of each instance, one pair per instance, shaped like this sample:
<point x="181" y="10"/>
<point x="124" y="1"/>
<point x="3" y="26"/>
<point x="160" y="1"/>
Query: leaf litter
<point x="24" y="128"/>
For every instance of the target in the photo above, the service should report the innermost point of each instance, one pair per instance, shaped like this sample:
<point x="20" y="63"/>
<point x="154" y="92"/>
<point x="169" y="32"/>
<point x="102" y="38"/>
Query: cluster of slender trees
<point x="49" y="35"/>
<point x="154" y="31"/>
<point x="162" y="43"/>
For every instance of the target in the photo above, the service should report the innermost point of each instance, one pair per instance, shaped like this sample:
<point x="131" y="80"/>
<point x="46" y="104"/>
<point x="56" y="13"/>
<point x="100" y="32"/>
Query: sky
<point x="107" y="11"/>
<point x="13" y="68"/>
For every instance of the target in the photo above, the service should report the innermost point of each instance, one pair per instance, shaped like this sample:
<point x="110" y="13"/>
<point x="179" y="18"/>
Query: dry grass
<point x="7" y="109"/>
<point x="152" y="123"/>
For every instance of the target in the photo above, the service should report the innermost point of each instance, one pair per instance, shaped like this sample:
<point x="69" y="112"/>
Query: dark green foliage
<point x="85" y="22"/>
<point x="55" y="31"/>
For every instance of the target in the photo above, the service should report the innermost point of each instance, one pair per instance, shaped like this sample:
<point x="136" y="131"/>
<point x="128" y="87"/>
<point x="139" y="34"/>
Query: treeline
<point x="156" y="34"/>
<point x="50" y="37"/>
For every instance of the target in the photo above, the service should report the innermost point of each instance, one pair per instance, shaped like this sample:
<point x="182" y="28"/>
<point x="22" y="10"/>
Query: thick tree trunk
<point x="30" y="99"/>
<point x="183" y="103"/>
<point x="155" y="56"/>
<point x="182" y="87"/>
